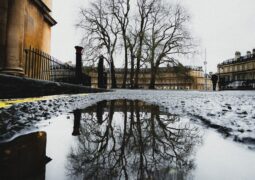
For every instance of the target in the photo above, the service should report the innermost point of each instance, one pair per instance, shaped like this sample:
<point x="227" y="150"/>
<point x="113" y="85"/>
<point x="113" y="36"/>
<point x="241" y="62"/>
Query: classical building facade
<point x="23" y="24"/>
<point x="167" y="78"/>
<point x="238" y="72"/>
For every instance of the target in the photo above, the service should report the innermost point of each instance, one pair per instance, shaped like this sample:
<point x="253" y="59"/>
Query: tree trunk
<point x="153" y="78"/>
<point x="137" y="75"/>
<point x="137" y="71"/>
<point x="113" y="77"/>
<point x="126" y="64"/>
<point x="132" y="70"/>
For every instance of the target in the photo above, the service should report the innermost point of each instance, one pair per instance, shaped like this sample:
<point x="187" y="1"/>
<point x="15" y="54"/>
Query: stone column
<point x="3" y="24"/>
<point x="14" y="38"/>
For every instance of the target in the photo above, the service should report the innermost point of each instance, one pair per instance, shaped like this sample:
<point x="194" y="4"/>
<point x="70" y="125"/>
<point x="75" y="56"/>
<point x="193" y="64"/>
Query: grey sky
<point x="221" y="26"/>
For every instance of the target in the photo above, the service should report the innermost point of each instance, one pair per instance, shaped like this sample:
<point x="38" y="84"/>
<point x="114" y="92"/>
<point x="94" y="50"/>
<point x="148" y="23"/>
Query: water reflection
<point x="130" y="140"/>
<point x="24" y="157"/>
<point x="77" y="119"/>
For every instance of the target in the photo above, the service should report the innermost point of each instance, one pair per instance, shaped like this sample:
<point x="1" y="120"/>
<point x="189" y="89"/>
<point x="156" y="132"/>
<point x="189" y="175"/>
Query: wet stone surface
<point x="119" y="139"/>
<point x="225" y="111"/>
<point x="124" y="139"/>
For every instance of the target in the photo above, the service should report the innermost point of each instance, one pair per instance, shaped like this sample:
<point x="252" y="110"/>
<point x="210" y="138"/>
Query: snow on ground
<point x="230" y="112"/>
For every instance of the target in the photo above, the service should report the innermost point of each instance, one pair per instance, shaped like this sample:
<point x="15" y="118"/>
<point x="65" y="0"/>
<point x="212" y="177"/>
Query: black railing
<point x="42" y="66"/>
<point x="238" y="60"/>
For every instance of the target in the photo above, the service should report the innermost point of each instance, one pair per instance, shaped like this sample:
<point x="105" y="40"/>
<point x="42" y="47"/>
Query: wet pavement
<point x="124" y="139"/>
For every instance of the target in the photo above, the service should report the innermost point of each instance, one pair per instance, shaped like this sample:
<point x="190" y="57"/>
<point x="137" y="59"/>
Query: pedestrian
<point x="214" y="79"/>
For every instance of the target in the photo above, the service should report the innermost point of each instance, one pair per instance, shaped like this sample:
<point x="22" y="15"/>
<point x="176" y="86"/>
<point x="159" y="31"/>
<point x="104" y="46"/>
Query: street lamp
<point x="219" y="83"/>
<point x="205" y="63"/>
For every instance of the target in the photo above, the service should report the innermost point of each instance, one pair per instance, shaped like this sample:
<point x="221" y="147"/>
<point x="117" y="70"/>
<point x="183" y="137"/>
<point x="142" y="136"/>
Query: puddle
<point x="125" y="139"/>
<point x="223" y="159"/>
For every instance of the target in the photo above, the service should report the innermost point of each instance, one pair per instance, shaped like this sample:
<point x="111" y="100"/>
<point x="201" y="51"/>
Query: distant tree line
<point x="148" y="33"/>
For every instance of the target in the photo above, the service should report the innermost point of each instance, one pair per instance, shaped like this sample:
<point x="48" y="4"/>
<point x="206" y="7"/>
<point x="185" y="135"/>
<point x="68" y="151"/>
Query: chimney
<point x="237" y="55"/>
<point x="248" y="53"/>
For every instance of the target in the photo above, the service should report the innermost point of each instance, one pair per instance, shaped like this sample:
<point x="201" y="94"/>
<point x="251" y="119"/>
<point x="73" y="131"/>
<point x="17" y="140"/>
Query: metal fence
<point x="42" y="66"/>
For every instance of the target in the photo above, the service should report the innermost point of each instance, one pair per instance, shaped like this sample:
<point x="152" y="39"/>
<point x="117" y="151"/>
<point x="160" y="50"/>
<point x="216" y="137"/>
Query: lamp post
<point x="100" y="71"/>
<point x="108" y="79"/>
<point x="132" y="80"/>
<point x="219" y="81"/>
<point x="205" y="63"/>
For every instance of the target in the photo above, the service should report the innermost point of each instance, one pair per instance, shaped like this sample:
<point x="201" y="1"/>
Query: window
<point x="249" y="66"/>
<point x="240" y="67"/>
<point x="235" y="67"/>
<point x="244" y="67"/>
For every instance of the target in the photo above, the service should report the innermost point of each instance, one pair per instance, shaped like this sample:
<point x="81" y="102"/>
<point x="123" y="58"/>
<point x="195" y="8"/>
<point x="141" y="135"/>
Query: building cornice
<point x="42" y="6"/>
<point x="237" y="72"/>
<point x="50" y="19"/>
<point x="241" y="60"/>
<point x="45" y="11"/>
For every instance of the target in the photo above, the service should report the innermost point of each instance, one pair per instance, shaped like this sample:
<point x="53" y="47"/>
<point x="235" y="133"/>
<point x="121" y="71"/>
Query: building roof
<point x="241" y="59"/>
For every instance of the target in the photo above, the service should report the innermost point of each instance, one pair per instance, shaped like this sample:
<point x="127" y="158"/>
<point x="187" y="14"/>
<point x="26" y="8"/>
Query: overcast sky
<point x="221" y="26"/>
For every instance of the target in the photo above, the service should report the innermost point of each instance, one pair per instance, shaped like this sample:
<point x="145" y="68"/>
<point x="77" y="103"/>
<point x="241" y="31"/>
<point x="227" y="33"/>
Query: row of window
<point x="160" y="81"/>
<point x="180" y="87"/>
<point x="238" y="67"/>
<point x="147" y="81"/>
<point x="239" y="77"/>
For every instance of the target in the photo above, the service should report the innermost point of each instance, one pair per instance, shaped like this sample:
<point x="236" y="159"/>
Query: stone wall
<point x="37" y="31"/>
<point x="19" y="87"/>
<point x="23" y="23"/>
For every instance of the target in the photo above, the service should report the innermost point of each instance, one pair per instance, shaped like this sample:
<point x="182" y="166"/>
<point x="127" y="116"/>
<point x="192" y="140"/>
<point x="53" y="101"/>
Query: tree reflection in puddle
<point x="126" y="139"/>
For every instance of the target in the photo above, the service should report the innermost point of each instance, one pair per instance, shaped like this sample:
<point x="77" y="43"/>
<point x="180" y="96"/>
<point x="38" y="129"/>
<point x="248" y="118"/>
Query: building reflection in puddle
<point x="24" y="157"/>
<point x="131" y="140"/>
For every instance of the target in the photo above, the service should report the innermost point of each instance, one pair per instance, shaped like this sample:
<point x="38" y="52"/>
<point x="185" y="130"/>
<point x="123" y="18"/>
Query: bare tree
<point x="120" y="10"/>
<point x="152" y="34"/>
<point x="100" y="33"/>
<point x="145" y="7"/>
<point x="166" y="36"/>
<point x="132" y="46"/>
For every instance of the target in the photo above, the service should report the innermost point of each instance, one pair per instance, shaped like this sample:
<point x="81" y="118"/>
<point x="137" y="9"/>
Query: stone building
<point x="23" y="24"/>
<point x="167" y="78"/>
<point x="238" y="72"/>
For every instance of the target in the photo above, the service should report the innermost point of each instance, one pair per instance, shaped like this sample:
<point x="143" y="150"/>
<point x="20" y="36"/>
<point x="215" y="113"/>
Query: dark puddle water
<point x="124" y="139"/>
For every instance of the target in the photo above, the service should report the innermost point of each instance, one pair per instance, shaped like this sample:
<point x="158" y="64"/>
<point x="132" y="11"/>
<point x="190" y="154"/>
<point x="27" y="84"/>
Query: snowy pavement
<point x="230" y="112"/>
